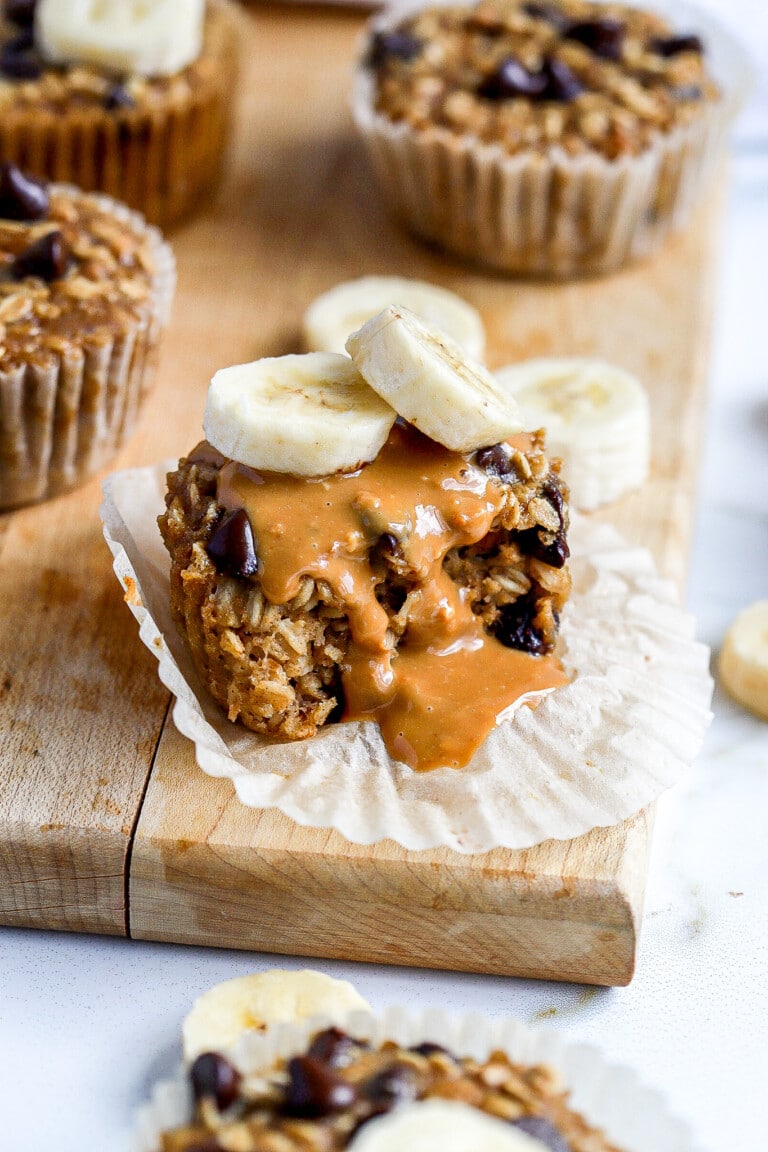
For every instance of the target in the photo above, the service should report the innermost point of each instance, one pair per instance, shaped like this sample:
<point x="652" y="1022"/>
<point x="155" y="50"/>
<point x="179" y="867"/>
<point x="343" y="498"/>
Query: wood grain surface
<point x="94" y="776"/>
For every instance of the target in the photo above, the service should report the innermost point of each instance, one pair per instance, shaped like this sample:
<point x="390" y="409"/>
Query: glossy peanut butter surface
<point x="437" y="695"/>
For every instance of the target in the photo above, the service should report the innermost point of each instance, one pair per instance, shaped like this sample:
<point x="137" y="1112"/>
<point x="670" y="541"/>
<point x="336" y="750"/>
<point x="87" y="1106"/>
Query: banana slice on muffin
<point x="431" y="383"/>
<point x="442" y="1126"/>
<point x="221" y="1015"/>
<point x="309" y="415"/>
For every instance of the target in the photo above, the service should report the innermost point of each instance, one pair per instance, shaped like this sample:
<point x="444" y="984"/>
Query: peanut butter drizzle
<point x="438" y="695"/>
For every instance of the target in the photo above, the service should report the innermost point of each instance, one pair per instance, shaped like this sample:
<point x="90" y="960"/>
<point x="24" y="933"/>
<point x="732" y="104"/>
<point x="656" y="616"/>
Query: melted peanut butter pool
<point x="437" y="694"/>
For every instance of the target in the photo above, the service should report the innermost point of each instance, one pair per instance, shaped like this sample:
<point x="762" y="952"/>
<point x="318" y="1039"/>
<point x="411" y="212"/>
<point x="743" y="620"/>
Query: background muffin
<point x="550" y="138"/>
<point x="147" y="125"/>
<point x="85" y="290"/>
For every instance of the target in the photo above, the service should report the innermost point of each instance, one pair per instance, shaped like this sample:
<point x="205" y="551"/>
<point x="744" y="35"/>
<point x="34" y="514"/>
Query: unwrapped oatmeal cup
<point x="403" y="1080"/>
<point x="132" y="100"/>
<point x="372" y="630"/>
<point x="554" y="138"/>
<point x="85" y="292"/>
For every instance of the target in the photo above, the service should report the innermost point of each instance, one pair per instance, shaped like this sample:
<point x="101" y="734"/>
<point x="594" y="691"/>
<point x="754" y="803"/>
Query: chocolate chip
<point x="118" y="97"/>
<point x="550" y="548"/>
<point x="552" y="492"/>
<point x="388" y="45"/>
<point x="397" y="1084"/>
<point x="674" y="45"/>
<point x="541" y="1129"/>
<point x="22" y="42"/>
<point x="427" y="1048"/>
<point x="495" y="459"/>
<point x="314" y="1090"/>
<point x="563" y="84"/>
<point x="21" y="197"/>
<point x="232" y="547"/>
<point x="332" y="1047"/>
<point x="20" y="12"/>
<point x="47" y="258"/>
<point x="547" y="12"/>
<point x="514" y="627"/>
<point x="18" y="60"/>
<point x="511" y="79"/>
<point x="603" y="36"/>
<point x="207" y="1144"/>
<point x="214" y="1077"/>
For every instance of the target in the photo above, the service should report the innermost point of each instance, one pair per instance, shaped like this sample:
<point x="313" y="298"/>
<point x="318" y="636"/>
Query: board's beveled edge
<point x="247" y="879"/>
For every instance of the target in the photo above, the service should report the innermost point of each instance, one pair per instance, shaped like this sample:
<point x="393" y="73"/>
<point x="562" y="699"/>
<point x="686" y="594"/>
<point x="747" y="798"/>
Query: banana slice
<point x="597" y="419"/>
<point x="743" y="663"/>
<point x="222" y="1014"/>
<point x="429" y="381"/>
<point x="442" y="1126"/>
<point x="331" y="317"/>
<point x="310" y="415"/>
<point x="139" y="37"/>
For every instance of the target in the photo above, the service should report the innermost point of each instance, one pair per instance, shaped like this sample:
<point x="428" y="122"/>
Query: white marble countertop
<point x="88" y="1024"/>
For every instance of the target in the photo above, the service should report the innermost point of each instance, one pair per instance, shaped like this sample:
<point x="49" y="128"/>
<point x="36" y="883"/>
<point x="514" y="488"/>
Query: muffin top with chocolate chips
<point x="29" y="81"/>
<point x="73" y="272"/>
<point x="319" y="1101"/>
<point x="536" y="74"/>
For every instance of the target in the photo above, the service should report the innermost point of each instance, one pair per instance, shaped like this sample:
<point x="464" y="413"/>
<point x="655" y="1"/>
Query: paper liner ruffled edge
<point x="456" y="821"/>
<point x="586" y="214"/>
<point x="87" y="402"/>
<point x="610" y="1096"/>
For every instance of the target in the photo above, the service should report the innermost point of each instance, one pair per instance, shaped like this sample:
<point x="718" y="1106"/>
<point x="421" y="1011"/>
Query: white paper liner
<point x="609" y="1096"/>
<point x="551" y="214"/>
<point x="590" y="754"/>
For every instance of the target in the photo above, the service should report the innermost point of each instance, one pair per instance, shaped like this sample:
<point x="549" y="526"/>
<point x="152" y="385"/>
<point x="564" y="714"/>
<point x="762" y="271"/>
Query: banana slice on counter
<point x="430" y="382"/>
<point x="331" y="317"/>
<point x="597" y="419"/>
<point x="139" y="37"/>
<point x="228" y="1010"/>
<point x="309" y="415"/>
<point x="743" y="663"/>
<point x="442" y="1126"/>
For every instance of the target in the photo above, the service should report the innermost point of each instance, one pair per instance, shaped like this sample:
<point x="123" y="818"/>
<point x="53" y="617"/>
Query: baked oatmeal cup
<point x="407" y="1081"/>
<point x="85" y="292"/>
<point x="554" y="138"/>
<point x="143" y="115"/>
<point x="387" y="589"/>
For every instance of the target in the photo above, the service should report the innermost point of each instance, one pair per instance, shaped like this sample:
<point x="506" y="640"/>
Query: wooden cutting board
<point x="106" y="823"/>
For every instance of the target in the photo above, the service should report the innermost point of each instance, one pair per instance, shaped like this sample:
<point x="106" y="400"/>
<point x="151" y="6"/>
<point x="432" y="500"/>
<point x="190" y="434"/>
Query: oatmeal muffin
<point x="559" y="137"/>
<point x="146" y="123"/>
<point x="333" y="1094"/>
<point x="85" y="290"/>
<point x="279" y="666"/>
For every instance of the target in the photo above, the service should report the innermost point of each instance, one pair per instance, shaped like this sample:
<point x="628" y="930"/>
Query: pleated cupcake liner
<point x="591" y="754"/>
<point x="63" y="417"/>
<point x="609" y="1096"/>
<point x="547" y="214"/>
